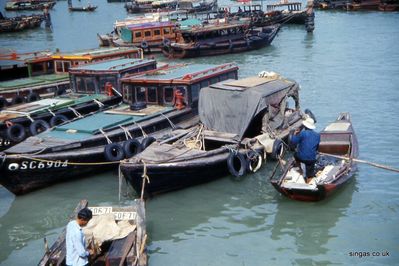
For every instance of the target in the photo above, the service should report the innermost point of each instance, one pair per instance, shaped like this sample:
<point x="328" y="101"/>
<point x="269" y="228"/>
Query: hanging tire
<point x="311" y="115"/>
<point x="165" y="42"/>
<point x="278" y="149"/>
<point x="147" y="142"/>
<point x="3" y="102"/>
<point x="38" y="126"/>
<point x="254" y="161"/>
<point x="144" y="44"/>
<point x="138" y="106"/>
<point x="113" y="152"/>
<point x="131" y="147"/>
<point x="58" y="119"/>
<point x="33" y="96"/>
<point x="233" y="157"/>
<point x="16" y="133"/>
<point x="18" y="99"/>
<point x="291" y="146"/>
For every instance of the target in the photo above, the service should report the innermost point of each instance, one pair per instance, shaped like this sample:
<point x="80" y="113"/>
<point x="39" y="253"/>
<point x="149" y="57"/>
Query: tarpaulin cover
<point x="230" y="106"/>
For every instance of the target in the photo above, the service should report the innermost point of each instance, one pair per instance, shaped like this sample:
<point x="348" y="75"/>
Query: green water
<point x="349" y="64"/>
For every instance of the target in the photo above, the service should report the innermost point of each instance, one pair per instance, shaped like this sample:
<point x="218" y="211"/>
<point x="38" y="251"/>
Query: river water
<point x="349" y="64"/>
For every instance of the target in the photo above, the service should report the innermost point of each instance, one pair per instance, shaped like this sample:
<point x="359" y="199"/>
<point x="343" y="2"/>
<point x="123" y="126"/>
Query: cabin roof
<point x="113" y="65"/>
<point x="33" y="81"/>
<point x="93" y="53"/>
<point x="149" y="25"/>
<point x="181" y="73"/>
<point x="218" y="103"/>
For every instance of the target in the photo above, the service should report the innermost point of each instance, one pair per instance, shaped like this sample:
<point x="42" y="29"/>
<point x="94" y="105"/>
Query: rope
<point x="141" y="128"/>
<point x="145" y="178"/>
<point x="105" y="135"/>
<point x="30" y="118"/>
<point x="75" y="112"/>
<point x="127" y="133"/>
<point x="100" y="104"/>
<point x="51" y="112"/>
<point x="385" y="167"/>
<point x="170" y="122"/>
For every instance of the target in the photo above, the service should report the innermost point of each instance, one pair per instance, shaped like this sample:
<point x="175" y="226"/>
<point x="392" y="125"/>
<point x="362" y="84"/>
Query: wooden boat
<point x="20" y="23"/>
<point x="48" y="71"/>
<point x="219" y="38"/>
<point x="91" y="93"/>
<point x="123" y="242"/>
<point x="363" y="5"/>
<point x="97" y="142"/>
<point x="88" y="8"/>
<point x="191" y="6"/>
<point x="389" y="5"/>
<point x="228" y="139"/>
<point x="331" y="4"/>
<point x="16" y="5"/>
<point x="339" y="140"/>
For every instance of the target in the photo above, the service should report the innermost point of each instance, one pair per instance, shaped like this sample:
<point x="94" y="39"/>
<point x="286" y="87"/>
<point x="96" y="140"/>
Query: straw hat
<point x="309" y="123"/>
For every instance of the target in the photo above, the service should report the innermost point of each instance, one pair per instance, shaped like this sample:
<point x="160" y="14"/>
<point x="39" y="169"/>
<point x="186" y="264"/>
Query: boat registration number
<point x="119" y="215"/>
<point x="4" y="142"/>
<point x="32" y="165"/>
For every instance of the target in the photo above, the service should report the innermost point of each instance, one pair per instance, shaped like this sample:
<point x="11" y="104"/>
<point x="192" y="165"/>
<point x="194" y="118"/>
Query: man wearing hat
<point x="76" y="252"/>
<point x="307" y="141"/>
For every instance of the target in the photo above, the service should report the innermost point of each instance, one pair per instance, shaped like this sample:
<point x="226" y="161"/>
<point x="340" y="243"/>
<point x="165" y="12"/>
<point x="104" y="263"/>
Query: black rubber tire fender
<point x="38" y="126"/>
<point x="18" y="99"/>
<point x="166" y="42"/>
<point x="59" y="91"/>
<point x="16" y="133"/>
<point x="138" y="106"/>
<point x="254" y="161"/>
<point x="277" y="150"/>
<point x="291" y="146"/>
<point x="58" y="119"/>
<point x="144" y="44"/>
<point x="131" y="147"/>
<point x="32" y="97"/>
<point x="3" y="102"/>
<point x="147" y="142"/>
<point x="243" y="164"/>
<point x="113" y="152"/>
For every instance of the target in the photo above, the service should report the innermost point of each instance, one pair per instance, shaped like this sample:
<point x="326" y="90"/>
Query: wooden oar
<point x="386" y="167"/>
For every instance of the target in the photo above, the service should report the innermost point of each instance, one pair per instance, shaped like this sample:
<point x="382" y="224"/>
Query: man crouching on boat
<point x="76" y="253"/>
<point x="307" y="141"/>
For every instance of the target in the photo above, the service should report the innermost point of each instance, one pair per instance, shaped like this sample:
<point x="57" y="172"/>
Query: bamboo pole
<point x="385" y="167"/>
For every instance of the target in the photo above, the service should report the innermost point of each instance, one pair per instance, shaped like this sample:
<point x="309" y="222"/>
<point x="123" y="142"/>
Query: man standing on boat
<point x="76" y="253"/>
<point x="307" y="141"/>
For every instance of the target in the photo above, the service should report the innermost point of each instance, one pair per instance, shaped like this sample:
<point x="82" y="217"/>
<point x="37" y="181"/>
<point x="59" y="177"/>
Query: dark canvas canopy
<point x="231" y="105"/>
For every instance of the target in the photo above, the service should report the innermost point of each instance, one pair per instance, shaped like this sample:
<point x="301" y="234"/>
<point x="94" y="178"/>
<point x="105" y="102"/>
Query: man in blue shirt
<point x="76" y="253"/>
<point x="307" y="141"/>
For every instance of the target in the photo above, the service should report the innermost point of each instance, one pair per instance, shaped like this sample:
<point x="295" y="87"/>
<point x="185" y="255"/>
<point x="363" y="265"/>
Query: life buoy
<point x="233" y="157"/>
<point x="254" y="161"/>
<point x="165" y="42"/>
<point x="33" y="96"/>
<point x="113" y="152"/>
<point x="277" y="150"/>
<point x="16" y="133"/>
<point x="18" y="99"/>
<point x="146" y="142"/>
<point x="131" y="147"/>
<point x="38" y="126"/>
<point x="310" y="114"/>
<point x="144" y="44"/>
<point x="58" y="119"/>
<point x="3" y="102"/>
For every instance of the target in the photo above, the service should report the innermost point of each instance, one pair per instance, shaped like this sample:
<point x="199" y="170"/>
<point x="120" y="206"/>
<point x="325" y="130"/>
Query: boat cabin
<point x="294" y="6"/>
<point x="92" y="78"/>
<point x="163" y="85"/>
<point x="139" y="34"/>
<point x="59" y="62"/>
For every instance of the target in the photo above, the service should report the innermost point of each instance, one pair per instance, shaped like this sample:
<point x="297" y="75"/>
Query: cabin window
<point x="58" y="66"/>
<point x="137" y="34"/>
<point x="85" y="84"/>
<point x="152" y="95"/>
<point x="214" y="80"/>
<point x="127" y="95"/>
<point x="195" y="88"/>
<point x="140" y="94"/>
<point x="62" y="66"/>
<point x="204" y="83"/>
<point x="147" y="33"/>
<point x="168" y="95"/>
<point x="166" y="31"/>
<point x="67" y="65"/>
<point x="157" y="32"/>
<point x="104" y="79"/>
<point x="232" y="75"/>
<point x="224" y="77"/>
